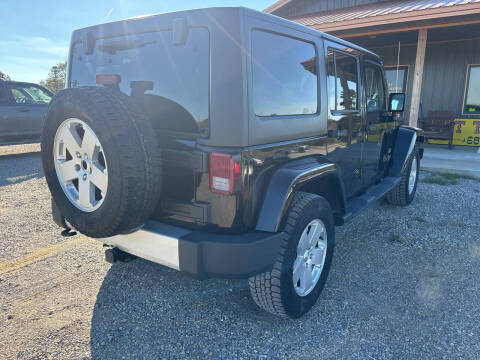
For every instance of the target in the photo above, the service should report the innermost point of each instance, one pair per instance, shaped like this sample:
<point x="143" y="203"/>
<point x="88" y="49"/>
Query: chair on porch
<point x="439" y="125"/>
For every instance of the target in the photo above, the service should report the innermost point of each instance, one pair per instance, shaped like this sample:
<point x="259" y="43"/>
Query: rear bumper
<point x="201" y="254"/>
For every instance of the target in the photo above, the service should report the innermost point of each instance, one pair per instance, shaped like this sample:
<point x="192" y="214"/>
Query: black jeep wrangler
<point x="225" y="142"/>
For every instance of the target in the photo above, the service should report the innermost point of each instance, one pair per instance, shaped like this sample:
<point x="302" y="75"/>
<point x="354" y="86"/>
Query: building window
<point x="284" y="75"/>
<point x="397" y="78"/>
<point x="471" y="103"/>
<point x="342" y="81"/>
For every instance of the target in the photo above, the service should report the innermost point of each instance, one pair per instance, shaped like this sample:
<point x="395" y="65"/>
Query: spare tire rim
<point x="311" y="255"/>
<point x="413" y="176"/>
<point x="80" y="164"/>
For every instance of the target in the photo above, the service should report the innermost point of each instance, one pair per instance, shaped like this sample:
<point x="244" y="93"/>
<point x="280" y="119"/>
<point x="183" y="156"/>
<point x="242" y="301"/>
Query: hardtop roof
<point x="210" y="12"/>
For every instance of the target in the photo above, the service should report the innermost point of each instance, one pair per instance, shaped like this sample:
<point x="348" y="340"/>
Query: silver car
<point x="22" y="106"/>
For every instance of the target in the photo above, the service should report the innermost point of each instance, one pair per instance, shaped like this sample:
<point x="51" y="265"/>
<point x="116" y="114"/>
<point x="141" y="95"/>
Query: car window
<point x="374" y="88"/>
<point x="38" y="95"/>
<point x="29" y="94"/>
<point x="342" y="81"/>
<point x="21" y="97"/>
<point x="284" y="75"/>
<point x="170" y="82"/>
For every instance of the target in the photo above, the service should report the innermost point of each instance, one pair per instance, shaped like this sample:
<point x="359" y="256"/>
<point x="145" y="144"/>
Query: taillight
<point x="223" y="172"/>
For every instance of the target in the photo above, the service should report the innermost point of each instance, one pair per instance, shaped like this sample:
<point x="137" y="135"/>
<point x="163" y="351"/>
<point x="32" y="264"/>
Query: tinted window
<point x="20" y="96"/>
<point x="342" y="81"/>
<point x="374" y="88"/>
<point x="472" y="94"/>
<point x="170" y="81"/>
<point x="284" y="75"/>
<point x="39" y="95"/>
<point x="29" y="94"/>
<point x="397" y="79"/>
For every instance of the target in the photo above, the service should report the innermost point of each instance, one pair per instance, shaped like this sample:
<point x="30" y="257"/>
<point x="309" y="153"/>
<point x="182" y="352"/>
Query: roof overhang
<point x="276" y="5"/>
<point x="396" y="18"/>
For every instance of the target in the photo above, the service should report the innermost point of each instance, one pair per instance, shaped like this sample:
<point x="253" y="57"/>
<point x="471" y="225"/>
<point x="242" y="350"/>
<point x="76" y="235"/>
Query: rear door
<point x="8" y="126"/>
<point x="29" y="105"/>
<point x="378" y="124"/>
<point x="345" y="137"/>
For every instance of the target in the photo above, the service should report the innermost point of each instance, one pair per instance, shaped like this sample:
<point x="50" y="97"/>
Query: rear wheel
<point x="299" y="274"/>
<point x="404" y="192"/>
<point x="101" y="161"/>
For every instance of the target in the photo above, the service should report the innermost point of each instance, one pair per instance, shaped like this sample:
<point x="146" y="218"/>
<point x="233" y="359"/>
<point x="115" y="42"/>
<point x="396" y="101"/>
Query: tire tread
<point x="265" y="287"/>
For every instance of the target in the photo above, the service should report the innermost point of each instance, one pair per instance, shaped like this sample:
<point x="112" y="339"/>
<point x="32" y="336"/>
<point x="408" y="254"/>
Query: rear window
<point x="284" y="75"/>
<point x="170" y="81"/>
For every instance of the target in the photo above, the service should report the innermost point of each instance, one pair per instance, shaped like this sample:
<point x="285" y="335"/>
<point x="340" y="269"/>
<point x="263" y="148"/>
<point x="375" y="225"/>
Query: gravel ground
<point x="404" y="284"/>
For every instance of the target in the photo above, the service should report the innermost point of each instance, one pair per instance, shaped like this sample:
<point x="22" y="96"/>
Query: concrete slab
<point x="460" y="160"/>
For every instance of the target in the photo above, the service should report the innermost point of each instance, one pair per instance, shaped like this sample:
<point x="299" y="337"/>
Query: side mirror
<point x="396" y="102"/>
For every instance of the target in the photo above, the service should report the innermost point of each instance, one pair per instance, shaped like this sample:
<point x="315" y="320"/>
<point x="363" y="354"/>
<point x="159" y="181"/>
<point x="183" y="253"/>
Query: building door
<point x="378" y="124"/>
<point x="344" y="116"/>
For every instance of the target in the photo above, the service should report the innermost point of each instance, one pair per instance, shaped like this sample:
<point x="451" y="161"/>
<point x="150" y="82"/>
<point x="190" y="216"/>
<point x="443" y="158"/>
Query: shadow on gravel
<point x="20" y="155"/>
<point x="384" y="299"/>
<point x="16" y="168"/>
<point x="144" y="310"/>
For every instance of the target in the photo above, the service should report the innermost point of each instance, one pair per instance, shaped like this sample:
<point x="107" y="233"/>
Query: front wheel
<point x="404" y="192"/>
<point x="299" y="274"/>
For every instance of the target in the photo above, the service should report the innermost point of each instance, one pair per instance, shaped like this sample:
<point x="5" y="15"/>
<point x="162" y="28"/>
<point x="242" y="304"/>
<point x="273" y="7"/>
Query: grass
<point x="447" y="179"/>
<point x="395" y="238"/>
<point x="432" y="274"/>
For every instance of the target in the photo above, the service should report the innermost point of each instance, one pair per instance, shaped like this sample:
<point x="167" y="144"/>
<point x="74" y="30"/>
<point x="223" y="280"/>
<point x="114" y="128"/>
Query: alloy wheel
<point x="311" y="254"/>
<point x="80" y="164"/>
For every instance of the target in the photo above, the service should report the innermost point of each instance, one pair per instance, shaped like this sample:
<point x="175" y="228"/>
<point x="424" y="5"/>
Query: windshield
<point x="171" y="81"/>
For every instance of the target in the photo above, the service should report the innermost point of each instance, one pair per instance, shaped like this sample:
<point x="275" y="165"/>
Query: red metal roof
<point x="276" y="5"/>
<point x="383" y="9"/>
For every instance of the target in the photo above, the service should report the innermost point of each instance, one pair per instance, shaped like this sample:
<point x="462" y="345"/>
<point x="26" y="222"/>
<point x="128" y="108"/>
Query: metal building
<point x="431" y="50"/>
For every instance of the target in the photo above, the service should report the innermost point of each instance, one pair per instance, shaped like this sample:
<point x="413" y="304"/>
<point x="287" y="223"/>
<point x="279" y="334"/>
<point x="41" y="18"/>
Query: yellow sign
<point x="465" y="132"/>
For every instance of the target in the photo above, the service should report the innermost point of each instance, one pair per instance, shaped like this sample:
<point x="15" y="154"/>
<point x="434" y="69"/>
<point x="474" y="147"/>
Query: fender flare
<point x="405" y="142"/>
<point x="283" y="184"/>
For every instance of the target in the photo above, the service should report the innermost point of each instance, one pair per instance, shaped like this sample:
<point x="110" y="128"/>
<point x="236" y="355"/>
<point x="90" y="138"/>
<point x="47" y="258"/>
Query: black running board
<point x="360" y="203"/>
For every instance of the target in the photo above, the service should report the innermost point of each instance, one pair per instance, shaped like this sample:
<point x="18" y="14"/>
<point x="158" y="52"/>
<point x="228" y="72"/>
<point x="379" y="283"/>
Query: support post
<point x="417" y="77"/>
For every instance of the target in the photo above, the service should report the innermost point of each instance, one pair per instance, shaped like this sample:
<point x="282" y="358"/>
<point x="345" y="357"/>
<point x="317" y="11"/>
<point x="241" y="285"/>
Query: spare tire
<point x="101" y="160"/>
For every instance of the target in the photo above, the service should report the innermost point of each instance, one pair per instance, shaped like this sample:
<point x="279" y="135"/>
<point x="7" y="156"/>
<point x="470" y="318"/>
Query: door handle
<point x="23" y="109"/>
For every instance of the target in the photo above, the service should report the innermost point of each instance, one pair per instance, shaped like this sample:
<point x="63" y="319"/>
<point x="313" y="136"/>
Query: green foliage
<point x="4" y="76"/>
<point x="446" y="179"/>
<point x="56" y="77"/>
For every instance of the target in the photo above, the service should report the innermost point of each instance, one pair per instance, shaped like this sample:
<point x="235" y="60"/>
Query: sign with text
<point x="466" y="132"/>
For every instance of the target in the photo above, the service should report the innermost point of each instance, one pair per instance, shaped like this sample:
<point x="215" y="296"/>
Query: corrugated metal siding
<point x="444" y="72"/>
<point x="301" y="7"/>
<point x="310" y="18"/>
